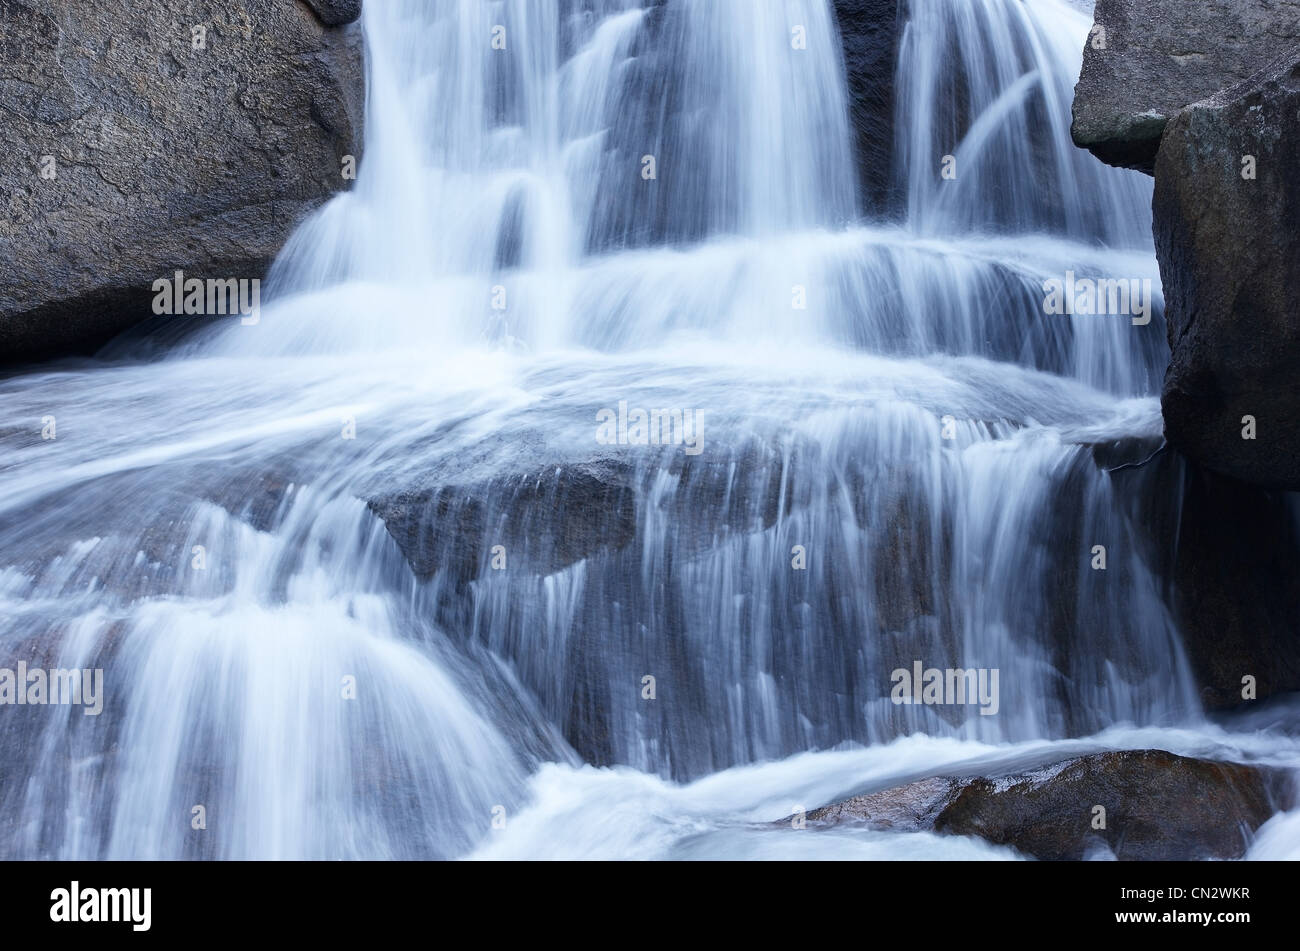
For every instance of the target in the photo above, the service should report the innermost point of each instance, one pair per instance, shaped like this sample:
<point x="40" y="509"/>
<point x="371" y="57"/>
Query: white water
<point x="519" y="171"/>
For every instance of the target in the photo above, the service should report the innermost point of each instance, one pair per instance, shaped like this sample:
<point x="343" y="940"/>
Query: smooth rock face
<point x="869" y="30"/>
<point x="1160" y="56"/>
<point x="132" y="154"/>
<point x="1229" y="249"/>
<point x="1159" y="806"/>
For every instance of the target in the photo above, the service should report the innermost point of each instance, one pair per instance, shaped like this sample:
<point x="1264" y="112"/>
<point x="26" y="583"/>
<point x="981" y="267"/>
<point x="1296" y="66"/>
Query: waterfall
<point x="991" y="84"/>
<point x="366" y="574"/>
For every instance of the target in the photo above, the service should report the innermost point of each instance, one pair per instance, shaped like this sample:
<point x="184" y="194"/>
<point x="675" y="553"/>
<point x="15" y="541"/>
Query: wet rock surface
<point x="545" y="521"/>
<point x="1158" y="806"/>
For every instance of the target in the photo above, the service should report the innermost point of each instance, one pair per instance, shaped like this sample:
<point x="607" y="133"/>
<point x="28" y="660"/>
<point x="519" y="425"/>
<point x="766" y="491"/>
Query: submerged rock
<point x="151" y="137"/>
<point x="544" y="521"/>
<point x="553" y="516"/>
<point x="1158" y="806"/>
<point x="1155" y="57"/>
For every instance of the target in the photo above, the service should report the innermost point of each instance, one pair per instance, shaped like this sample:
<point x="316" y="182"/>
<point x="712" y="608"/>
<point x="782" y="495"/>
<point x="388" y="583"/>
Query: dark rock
<point x="546" y="521"/>
<point x="162" y="157"/>
<point x="1236" y="589"/>
<point x="869" y="30"/>
<point x="1159" y="806"/>
<point x="1160" y="56"/>
<point x="1126" y="453"/>
<point x="1208" y="85"/>
<point x="1229" y="254"/>
<point x="337" y="12"/>
<point x="1226" y="552"/>
<point x="555" y="516"/>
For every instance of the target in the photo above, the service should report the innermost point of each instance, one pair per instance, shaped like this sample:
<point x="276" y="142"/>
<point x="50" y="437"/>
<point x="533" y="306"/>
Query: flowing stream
<point x="388" y="569"/>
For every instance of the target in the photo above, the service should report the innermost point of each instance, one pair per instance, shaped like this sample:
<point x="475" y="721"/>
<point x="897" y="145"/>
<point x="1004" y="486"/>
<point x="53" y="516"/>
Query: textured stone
<point x="336" y="12"/>
<point x="1229" y="250"/>
<point x="131" y="154"/>
<point x="1160" y="56"/>
<point x="1159" y="806"/>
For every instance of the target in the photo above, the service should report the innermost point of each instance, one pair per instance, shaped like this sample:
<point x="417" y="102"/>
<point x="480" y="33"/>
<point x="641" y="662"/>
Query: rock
<point x="1229" y="256"/>
<point x="1159" y="806"/>
<point x="1159" y="56"/>
<point x="910" y="808"/>
<point x="1228" y="552"/>
<point x="336" y="12"/>
<point x="546" y="521"/>
<point x="1129" y="452"/>
<point x="869" y="30"/>
<point x="1236" y="591"/>
<point x="552" y="516"/>
<point x="134" y="154"/>
<point x="1205" y="96"/>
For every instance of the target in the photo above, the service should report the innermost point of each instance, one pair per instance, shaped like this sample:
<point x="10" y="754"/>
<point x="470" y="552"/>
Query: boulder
<point x="1158" y="806"/>
<point x="1227" y="201"/>
<point x="1158" y="56"/>
<point x="151" y="136"/>
<point x="1206" y="97"/>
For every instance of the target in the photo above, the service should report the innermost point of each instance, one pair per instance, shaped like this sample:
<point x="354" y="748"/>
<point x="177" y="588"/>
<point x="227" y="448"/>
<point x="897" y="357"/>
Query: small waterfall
<point x="989" y="83"/>
<point x="372" y="573"/>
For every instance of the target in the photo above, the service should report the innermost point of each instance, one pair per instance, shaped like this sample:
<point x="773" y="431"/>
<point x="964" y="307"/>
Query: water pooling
<point x="349" y="673"/>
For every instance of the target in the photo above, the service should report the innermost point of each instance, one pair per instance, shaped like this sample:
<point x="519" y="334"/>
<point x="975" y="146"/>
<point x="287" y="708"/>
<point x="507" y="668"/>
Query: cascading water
<point x="366" y="574"/>
<point x="991" y="83"/>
